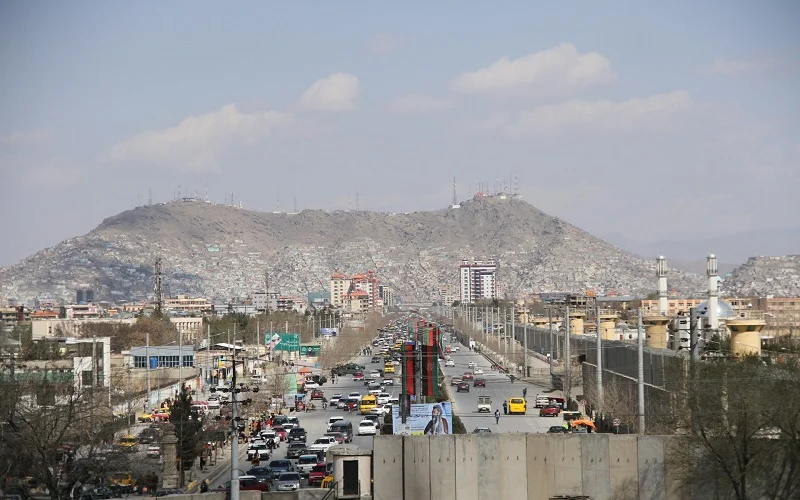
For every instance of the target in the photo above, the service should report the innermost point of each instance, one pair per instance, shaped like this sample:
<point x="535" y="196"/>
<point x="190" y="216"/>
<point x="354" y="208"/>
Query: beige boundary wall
<point x="519" y="466"/>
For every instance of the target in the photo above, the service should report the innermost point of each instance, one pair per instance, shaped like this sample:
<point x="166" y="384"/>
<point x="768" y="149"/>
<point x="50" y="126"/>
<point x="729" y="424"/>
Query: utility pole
<point x="567" y="358"/>
<point x="180" y="360"/>
<point x="513" y="331"/>
<point x="525" y="350"/>
<point x="234" y="437"/>
<point x="418" y="365"/>
<point x="209" y="359"/>
<point x="599" y="357"/>
<point x="640" y="348"/>
<point x="550" y="325"/>
<point x="147" y="365"/>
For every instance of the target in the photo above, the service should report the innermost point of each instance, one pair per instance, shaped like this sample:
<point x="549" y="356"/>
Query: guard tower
<point x="576" y="322"/>
<point x="540" y="322"/>
<point x="608" y="324"/>
<point x="746" y="329"/>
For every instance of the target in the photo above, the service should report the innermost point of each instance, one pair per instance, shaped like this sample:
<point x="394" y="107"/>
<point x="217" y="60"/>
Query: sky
<point x="654" y="120"/>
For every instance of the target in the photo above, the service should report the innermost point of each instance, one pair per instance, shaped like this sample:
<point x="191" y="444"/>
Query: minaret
<point x="661" y="274"/>
<point x="713" y="292"/>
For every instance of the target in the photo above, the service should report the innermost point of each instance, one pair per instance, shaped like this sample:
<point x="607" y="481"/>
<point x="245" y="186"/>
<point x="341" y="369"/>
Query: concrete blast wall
<point x="516" y="466"/>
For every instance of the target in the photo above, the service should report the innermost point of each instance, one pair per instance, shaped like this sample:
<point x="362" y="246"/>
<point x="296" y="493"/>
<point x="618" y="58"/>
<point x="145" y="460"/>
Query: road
<point x="499" y="388"/>
<point x="315" y="422"/>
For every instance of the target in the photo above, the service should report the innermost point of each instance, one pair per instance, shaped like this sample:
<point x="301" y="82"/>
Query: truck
<point x="484" y="404"/>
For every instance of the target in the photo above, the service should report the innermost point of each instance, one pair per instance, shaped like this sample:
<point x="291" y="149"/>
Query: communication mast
<point x="157" y="285"/>
<point x="455" y="198"/>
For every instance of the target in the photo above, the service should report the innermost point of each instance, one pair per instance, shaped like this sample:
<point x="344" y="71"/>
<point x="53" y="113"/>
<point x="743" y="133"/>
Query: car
<point x="455" y="381"/>
<point x="266" y="435"/>
<point x="128" y="443"/>
<point x="481" y="430"/>
<point x="374" y="417"/>
<point x="463" y="387"/>
<point x="348" y="369"/>
<point x="279" y="420"/>
<point x="368" y="381"/>
<point x="383" y="398"/>
<point x="387" y="408"/>
<point x="261" y="472"/>
<point x="213" y="402"/>
<point x="472" y="365"/>
<point x="297" y="434"/>
<point x="310" y="384"/>
<point x="550" y="411"/>
<point x="317" y="394"/>
<point x="388" y="381"/>
<point x="352" y="403"/>
<point x="477" y="371"/>
<point x="449" y="362"/>
<point x="288" y="426"/>
<point x="358" y="376"/>
<point x="295" y="449"/>
<point x="467" y="376"/>
<point x="376" y="391"/>
<point x="333" y="420"/>
<point x="334" y="399"/>
<point x="259" y="450"/>
<point x="153" y="451"/>
<point x="354" y="395"/>
<point x="367" y="428"/>
<point x="251" y="483"/>
<point x="281" y="465"/>
<point x="374" y="374"/>
<point x="280" y="432"/>
<point x="287" y="481"/>
<point x="479" y="382"/>
<point x="305" y="462"/>
<point x="342" y="404"/>
<point x="323" y="443"/>
<point x="541" y="401"/>
<point x="338" y="436"/>
<point x="375" y="359"/>
<point x="557" y="429"/>
<point x="318" y="473"/>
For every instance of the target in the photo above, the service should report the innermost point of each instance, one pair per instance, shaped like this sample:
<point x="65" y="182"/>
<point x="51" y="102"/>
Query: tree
<point x="187" y="429"/>
<point x="741" y="421"/>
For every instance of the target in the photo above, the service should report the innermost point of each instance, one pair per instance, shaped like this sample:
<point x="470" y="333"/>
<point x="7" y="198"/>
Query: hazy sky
<point x="639" y="117"/>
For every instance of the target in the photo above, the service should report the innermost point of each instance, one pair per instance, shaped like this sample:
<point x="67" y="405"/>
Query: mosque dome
<point x="724" y="310"/>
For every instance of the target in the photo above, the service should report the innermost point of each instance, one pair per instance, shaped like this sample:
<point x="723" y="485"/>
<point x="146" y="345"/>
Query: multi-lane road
<point x="499" y="387"/>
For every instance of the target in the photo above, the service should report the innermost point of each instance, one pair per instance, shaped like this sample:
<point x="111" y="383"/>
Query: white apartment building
<point x="340" y="286"/>
<point x="478" y="280"/>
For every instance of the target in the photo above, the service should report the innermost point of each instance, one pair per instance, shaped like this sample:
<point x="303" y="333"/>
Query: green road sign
<point x="283" y="341"/>
<point x="310" y="350"/>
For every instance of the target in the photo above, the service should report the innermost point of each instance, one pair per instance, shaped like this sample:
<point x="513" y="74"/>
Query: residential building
<point x="782" y="315"/>
<point x="286" y="303"/>
<point x="190" y="328"/>
<point x="340" y="286"/>
<point x="478" y="280"/>
<point x="187" y="304"/>
<point x="265" y="301"/>
<point x="83" y="311"/>
<point x="10" y="316"/>
<point x="674" y="306"/>
<point x="359" y="302"/>
<point x="369" y="284"/>
<point x="387" y="295"/>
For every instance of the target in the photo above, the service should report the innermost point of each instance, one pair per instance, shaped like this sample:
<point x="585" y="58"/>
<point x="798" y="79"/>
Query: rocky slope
<point x="221" y="251"/>
<point x="761" y="276"/>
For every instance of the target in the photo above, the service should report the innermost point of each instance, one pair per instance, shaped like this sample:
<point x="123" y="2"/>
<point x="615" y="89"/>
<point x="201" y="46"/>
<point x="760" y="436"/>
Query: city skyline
<point x="379" y="107"/>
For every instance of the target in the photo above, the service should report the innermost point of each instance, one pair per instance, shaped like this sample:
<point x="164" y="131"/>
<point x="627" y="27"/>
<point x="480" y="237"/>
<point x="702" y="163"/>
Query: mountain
<point x="220" y="251"/>
<point x="730" y="248"/>
<point x="761" y="276"/>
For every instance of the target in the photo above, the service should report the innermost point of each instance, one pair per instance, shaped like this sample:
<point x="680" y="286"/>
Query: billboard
<point x="426" y="418"/>
<point x="282" y="341"/>
<point x="310" y="350"/>
<point x="329" y="332"/>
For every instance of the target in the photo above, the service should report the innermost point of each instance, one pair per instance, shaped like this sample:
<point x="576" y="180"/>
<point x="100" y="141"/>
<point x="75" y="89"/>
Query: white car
<point x="323" y="443"/>
<point x="388" y="381"/>
<point x="367" y="428"/>
<point x="472" y="365"/>
<point x="311" y="385"/>
<point x="213" y="404"/>
<point x="333" y="420"/>
<point x="477" y="371"/>
<point x="375" y="392"/>
<point x="334" y="399"/>
<point x="375" y="374"/>
<point x="450" y="362"/>
<point x="383" y="398"/>
<point x="354" y="395"/>
<point x="387" y="408"/>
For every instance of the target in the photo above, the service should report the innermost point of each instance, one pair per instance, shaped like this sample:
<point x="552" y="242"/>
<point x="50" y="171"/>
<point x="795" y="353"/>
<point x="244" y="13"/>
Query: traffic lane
<point x="499" y="388"/>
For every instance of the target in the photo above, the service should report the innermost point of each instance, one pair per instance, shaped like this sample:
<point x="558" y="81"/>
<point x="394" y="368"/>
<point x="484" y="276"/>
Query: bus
<point x="367" y="403"/>
<point x="388" y="367"/>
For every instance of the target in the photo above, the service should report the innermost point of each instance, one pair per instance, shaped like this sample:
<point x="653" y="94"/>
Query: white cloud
<point x="417" y="104"/>
<point x="337" y="92"/>
<point x="27" y="137"/>
<point x="723" y="66"/>
<point x="558" y="67"/>
<point x="653" y="113"/>
<point x="198" y="142"/>
<point x="384" y="43"/>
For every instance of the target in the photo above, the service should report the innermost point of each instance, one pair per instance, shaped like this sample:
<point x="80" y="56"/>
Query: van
<point x="332" y="421"/>
<point x="542" y="401"/>
<point x="484" y="404"/>
<point x="517" y="405"/>
<point x="345" y="427"/>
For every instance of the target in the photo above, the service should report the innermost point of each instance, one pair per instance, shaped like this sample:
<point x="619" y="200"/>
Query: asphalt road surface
<point x="499" y="388"/>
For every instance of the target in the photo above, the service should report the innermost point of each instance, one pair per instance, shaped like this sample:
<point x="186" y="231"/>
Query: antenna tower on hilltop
<point x="150" y="196"/>
<point x="357" y="200"/>
<point x="455" y="197"/>
<point x="157" y="285"/>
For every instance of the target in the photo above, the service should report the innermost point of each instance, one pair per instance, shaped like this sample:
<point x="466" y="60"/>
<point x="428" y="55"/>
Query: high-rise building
<point x="478" y="280"/>
<point x="343" y="286"/>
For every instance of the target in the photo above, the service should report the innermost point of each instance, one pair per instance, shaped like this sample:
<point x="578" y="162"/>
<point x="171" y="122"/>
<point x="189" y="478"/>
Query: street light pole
<point x="552" y="340"/>
<point x="147" y="365"/>
<point x="599" y="357"/>
<point x="234" y="437"/>
<point x="640" y="348"/>
<point x="567" y="358"/>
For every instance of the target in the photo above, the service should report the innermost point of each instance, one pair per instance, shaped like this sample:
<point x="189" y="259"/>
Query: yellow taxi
<point x="388" y="368"/>
<point x="517" y="406"/>
<point x="128" y="442"/>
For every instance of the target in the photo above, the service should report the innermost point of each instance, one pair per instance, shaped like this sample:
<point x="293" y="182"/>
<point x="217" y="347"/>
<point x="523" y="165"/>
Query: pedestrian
<point x="497" y="416"/>
<point x="204" y="486"/>
<point x="524" y="393"/>
<point x="505" y="408"/>
<point x="202" y="461"/>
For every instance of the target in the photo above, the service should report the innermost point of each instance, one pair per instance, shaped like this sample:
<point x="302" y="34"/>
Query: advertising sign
<point x="282" y="341"/>
<point x="329" y="332"/>
<point x="427" y="418"/>
<point x="310" y="350"/>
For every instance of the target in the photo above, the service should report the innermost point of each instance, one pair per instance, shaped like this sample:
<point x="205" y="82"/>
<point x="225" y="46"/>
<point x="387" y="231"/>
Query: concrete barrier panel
<point x="539" y="484"/>
<point x="489" y="468"/>
<point x="564" y="464"/>
<point x="443" y="467"/>
<point x="417" y="468"/>
<point x="652" y="482"/>
<point x="387" y="466"/>
<point x="623" y="457"/>
<point x="513" y="456"/>
<point x="594" y="463"/>
<point x="467" y="466"/>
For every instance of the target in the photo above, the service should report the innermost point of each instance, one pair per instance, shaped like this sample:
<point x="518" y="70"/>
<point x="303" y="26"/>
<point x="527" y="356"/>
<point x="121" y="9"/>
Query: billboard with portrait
<point x="426" y="418"/>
